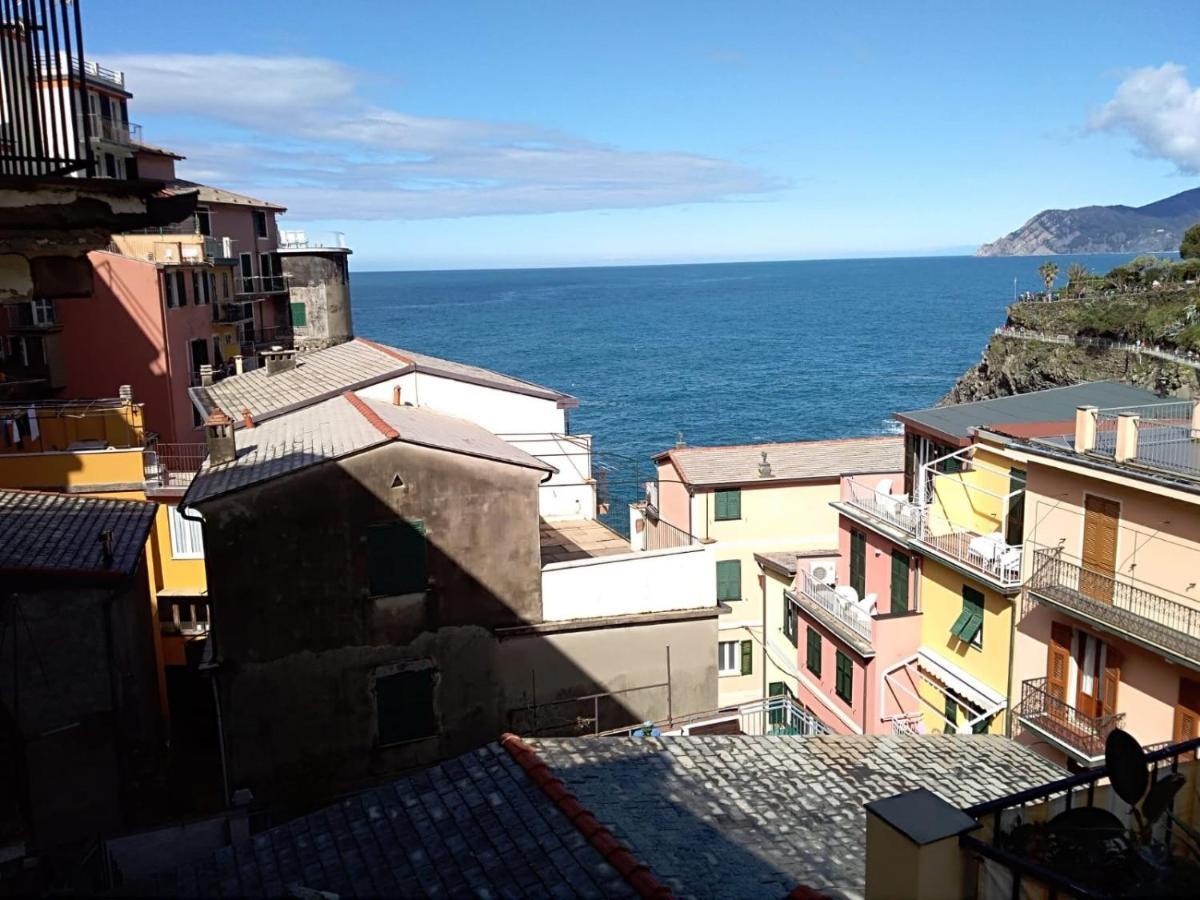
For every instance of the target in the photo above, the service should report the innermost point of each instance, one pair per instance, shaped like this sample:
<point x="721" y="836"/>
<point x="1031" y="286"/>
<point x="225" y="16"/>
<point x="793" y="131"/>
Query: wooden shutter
<point x="814" y="651"/>
<point x="1187" y="711"/>
<point x="1111" y="681"/>
<point x="899" y="582"/>
<point x="1058" y="661"/>
<point x="747" y="657"/>
<point x="1101" y="519"/>
<point x="729" y="579"/>
<point x="858" y="562"/>
<point x="299" y="315"/>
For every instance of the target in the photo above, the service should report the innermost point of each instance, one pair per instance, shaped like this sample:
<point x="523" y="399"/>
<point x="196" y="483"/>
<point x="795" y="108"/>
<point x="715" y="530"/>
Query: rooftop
<point x="1053" y="405"/>
<point x="208" y="194"/>
<point x="795" y="461"/>
<point x="712" y="816"/>
<point x="50" y="533"/>
<point x="563" y="541"/>
<point x="339" y="427"/>
<point x="352" y="365"/>
<point x="786" y="561"/>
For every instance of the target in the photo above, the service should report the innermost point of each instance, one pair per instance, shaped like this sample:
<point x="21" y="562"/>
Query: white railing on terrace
<point x="303" y="240"/>
<point x="845" y="611"/>
<point x="116" y="131"/>
<point x="988" y="553"/>
<point x="87" y="68"/>
<point x="908" y="723"/>
<point x="895" y="509"/>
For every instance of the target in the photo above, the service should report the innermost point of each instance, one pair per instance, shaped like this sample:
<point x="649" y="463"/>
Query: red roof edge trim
<point x="636" y="874"/>
<point x="371" y="416"/>
<point x="389" y="351"/>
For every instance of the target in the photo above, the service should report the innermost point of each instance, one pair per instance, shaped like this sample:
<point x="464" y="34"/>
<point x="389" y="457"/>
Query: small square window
<point x="404" y="703"/>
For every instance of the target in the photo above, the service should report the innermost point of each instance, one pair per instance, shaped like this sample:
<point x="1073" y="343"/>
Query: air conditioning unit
<point x="824" y="572"/>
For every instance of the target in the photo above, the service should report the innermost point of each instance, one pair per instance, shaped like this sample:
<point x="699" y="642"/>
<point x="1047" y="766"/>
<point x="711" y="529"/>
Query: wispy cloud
<point x="300" y="130"/>
<point x="1160" y="109"/>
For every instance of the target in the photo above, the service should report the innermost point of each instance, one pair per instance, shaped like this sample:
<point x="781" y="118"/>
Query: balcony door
<point x="1097" y="676"/>
<point x="1101" y="519"/>
<point x="1187" y="711"/>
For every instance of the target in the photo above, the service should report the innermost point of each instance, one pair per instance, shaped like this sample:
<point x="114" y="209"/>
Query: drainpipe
<point x="765" y="637"/>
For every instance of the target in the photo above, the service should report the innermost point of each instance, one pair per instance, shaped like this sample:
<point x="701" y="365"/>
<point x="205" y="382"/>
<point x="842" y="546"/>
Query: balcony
<point x="175" y="248"/>
<point x="260" y="284"/>
<point x="170" y="466"/>
<point x="303" y="240"/>
<point x="186" y="616"/>
<point x="835" y="610"/>
<point x="93" y="71"/>
<point x="1150" y="619"/>
<point x="115" y="131"/>
<point x="1076" y="732"/>
<point x="24" y="317"/>
<point x="893" y="509"/>
<point x="985" y="554"/>
<point x="777" y="716"/>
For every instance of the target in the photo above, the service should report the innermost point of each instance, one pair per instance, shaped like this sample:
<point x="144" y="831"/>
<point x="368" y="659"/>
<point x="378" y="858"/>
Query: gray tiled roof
<point x="47" y="532"/>
<point x="326" y="373"/>
<point x="728" y="817"/>
<point x="474" y="826"/>
<point x="335" y="428"/>
<point x="1053" y="405"/>
<point x="789" y="462"/>
<point x="208" y="194"/>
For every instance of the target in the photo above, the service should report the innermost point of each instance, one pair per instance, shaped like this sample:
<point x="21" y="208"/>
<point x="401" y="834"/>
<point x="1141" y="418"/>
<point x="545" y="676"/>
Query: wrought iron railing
<point x="173" y="465"/>
<point x="827" y="598"/>
<point x="894" y="509"/>
<point x="662" y="535"/>
<point x="44" y="95"/>
<point x="1081" y="732"/>
<point x="1166" y="623"/>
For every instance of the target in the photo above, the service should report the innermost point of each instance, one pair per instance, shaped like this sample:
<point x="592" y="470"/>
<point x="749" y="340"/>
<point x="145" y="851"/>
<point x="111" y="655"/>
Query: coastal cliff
<point x="1154" y="228"/>
<point x="1053" y="344"/>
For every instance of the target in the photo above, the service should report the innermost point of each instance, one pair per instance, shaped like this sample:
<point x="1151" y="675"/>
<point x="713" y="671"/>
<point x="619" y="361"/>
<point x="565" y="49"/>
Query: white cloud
<point x="1160" y="109"/>
<point x="306" y="137"/>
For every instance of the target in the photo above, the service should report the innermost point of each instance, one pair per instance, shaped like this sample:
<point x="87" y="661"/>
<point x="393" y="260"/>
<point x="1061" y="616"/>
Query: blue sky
<point x="452" y="135"/>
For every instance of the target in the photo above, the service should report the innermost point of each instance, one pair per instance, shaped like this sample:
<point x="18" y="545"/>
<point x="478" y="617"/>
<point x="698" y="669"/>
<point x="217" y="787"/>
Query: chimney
<point x="125" y="392"/>
<point x="206" y="375"/>
<point x="239" y="364"/>
<point x="247" y="419"/>
<point x="1127" y="437"/>
<point x="279" y="360"/>
<point x="764" y="467"/>
<point x="1085" y="429"/>
<point x="396" y="396"/>
<point x="679" y="444"/>
<point x="218" y="435"/>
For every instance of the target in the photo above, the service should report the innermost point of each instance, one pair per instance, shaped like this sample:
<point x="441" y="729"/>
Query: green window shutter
<point x="396" y="558"/>
<point x="845" y="677"/>
<point x="299" y="315"/>
<point x="951" y="715"/>
<point x="858" y="562"/>
<point x="747" y="658"/>
<point x="728" y="505"/>
<point x="789" y="619"/>
<point x="899" y="582"/>
<point x="968" y="627"/>
<point x="814" y="651"/>
<point x="729" y="579"/>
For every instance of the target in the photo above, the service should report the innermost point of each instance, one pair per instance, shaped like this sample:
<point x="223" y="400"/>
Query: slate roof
<point x="348" y="366"/>
<point x="736" y="816"/>
<point x="473" y="826"/>
<point x="1053" y="405"/>
<point x="48" y="533"/>
<point x="339" y="427"/>
<point x="795" y="461"/>
<point x="785" y="561"/>
<point x="208" y="194"/>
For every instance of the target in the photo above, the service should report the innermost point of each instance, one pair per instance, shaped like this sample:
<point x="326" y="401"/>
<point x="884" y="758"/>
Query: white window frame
<point x="187" y="538"/>
<point x="41" y="310"/>
<point x="735" y="655"/>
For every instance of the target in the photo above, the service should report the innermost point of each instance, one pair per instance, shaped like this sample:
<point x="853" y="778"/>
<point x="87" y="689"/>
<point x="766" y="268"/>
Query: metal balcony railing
<point x="895" y="509"/>
<point x="779" y="715"/>
<point x="1083" y="733"/>
<point x="115" y="131"/>
<point x="42" y="42"/>
<point x="173" y="465"/>
<point x="261" y="284"/>
<point x="987" y="554"/>
<point x="1136" y="611"/>
<point x="662" y="535"/>
<point x="304" y="240"/>
<point x="827" y="598"/>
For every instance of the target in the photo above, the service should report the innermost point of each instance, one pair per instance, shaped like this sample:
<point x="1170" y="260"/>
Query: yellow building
<point x="100" y="448"/>
<point x="761" y="499"/>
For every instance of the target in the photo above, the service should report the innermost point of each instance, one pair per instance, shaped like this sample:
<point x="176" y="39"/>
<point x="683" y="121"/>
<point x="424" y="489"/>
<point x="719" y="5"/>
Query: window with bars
<point x="968" y="627"/>
<point x="844" y="684"/>
<point x="727" y="505"/>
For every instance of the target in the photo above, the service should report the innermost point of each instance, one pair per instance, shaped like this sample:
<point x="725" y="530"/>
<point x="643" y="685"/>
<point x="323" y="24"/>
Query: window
<point x="197" y="288"/>
<point x="900" y="565"/>
<point x="247" y="268"/>
<point x="729" y="579"/>
<point x="267" y="270"/>
<point x="951" y="726"/>
<point x="858" y="562"/>
<point x="169" y="291"/>
<point x="968" y="627"/>
<point x="299" y="315"/>
<point x="729" y="658"/>
<point x="110" y="165"/>
<point x="844" y="686"/>
<point x="789" y="619"/>
<point x="203" y="221"/>
<point x="1014" y="526"/>
<point x="813" y="661"/>
<point x="187" y="539"/>
<point x="225" y="279"/>
<point x="260" y="223"/>
<point x="404" y="709"/>
<point x="981" y="726"/>
<point x="396" y="558"/>
<point x="728" y="505"/>
<point x="42" y="312"/>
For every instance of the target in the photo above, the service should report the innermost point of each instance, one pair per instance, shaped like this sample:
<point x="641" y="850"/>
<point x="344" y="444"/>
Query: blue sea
<point x="722" y="353"/>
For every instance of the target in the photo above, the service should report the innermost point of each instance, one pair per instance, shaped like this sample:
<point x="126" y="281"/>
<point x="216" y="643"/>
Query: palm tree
<point x="1049" y="273"/>
<point x="1077" y="274"/>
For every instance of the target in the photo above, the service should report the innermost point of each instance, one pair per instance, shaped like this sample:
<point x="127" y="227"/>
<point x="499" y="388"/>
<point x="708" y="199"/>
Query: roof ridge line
<point x="386" y="350"/>
<point x="636" y="874"/>
<point x="371" y="416"/>
<point x="841" y="440"/>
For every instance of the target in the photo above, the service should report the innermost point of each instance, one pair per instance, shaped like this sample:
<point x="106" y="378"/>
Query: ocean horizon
<point x="720" y="353"/>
